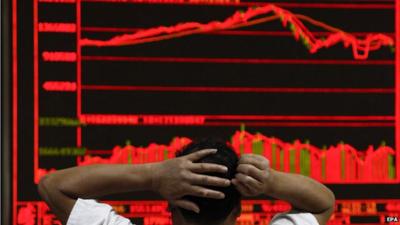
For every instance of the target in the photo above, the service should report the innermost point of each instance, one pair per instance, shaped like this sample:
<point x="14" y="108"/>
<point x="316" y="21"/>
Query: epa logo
<point x="392" y="219"/>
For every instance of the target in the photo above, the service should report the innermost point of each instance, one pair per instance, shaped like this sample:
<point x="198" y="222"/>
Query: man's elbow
<point x="45" y="186"/>
<point x="329" y="208"/>
<point x="330" y="201"/>
<point x="327" y="200"/>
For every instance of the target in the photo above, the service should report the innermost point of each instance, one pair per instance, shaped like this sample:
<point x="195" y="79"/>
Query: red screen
<point x="312" y="86"/>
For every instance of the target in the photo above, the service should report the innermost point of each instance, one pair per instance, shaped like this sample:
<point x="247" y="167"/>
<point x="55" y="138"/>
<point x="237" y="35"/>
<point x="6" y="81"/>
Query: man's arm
<point x="303" y="193"/>
<point x="62" y="188"/>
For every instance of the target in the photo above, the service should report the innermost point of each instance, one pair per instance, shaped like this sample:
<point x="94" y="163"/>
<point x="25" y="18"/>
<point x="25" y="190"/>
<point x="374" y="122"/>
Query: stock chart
<point x="312" y="86"/>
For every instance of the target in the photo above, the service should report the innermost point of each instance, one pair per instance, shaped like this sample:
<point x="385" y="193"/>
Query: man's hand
<point x="253" y="175"/>
<point x="181" y="176"/>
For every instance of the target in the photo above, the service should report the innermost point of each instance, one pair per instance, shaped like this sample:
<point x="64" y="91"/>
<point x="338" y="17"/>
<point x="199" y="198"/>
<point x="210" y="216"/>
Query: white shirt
<point x="90" y="212"/>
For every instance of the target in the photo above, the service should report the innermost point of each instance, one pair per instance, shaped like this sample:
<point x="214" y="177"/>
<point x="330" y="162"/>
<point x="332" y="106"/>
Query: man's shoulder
<point x="294" y="218"/>
<point x="91" y="212"/>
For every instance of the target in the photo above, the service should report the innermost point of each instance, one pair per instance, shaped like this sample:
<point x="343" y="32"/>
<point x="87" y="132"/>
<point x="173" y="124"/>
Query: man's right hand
<point x="181" y="176"/>
<point x="254" y="175"/>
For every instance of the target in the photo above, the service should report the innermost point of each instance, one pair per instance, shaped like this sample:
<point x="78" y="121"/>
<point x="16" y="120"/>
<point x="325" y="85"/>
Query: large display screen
<point x="312" y="86"/>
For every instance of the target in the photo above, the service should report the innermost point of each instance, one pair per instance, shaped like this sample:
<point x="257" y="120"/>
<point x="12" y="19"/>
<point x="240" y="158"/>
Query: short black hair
<point x="213" y="211"/>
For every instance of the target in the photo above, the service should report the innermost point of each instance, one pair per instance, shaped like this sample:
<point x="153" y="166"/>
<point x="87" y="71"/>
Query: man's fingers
<point x="249" y="182"/>
<point x="205" y="180"/>
<point x="258" y="161"/>
<point x="207" y="168"/>
<point x="251" y="170"/>
<point x="200" y="154"/>
<point x="241" y="188"/>
<point x="186" y="205"/>
<point x="205" y="193"/>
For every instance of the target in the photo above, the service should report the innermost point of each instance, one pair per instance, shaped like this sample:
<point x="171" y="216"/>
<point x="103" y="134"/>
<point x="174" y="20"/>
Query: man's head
<point x="212" y="211"/>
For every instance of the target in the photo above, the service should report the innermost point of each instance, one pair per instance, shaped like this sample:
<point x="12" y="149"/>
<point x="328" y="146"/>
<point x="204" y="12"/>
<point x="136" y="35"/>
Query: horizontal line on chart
<point x="239" y="89"/>
<point x="231" y="120"/>
<point x="261" y="117"/>
<point x="225" y="32"/>
<point x="296" y="117"/>
<point x="270" y="124"/>
<point x="303" y="124"/>
<point x="239" y="60"/>
<point x="281" y="4"/>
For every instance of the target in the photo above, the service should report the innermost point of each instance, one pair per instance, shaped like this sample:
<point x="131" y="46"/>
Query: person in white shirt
<point x="203" y="185"/>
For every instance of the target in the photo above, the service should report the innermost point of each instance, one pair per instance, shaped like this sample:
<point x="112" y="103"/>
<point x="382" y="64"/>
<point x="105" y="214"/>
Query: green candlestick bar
<point x="305" y="162"/>
<point x="391" y="168"/>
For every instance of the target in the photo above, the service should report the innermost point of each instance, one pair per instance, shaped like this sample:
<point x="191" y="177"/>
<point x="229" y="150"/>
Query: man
<point x="203" y="185"/>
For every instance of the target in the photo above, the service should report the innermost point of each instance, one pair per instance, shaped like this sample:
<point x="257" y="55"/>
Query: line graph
<point x="55" y="27"/>
<point x="360" y="48"/>
<point x="361" y="44"/>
